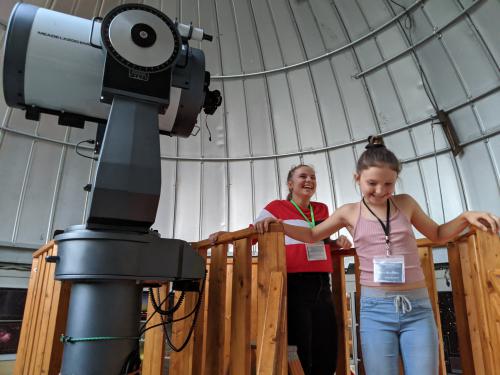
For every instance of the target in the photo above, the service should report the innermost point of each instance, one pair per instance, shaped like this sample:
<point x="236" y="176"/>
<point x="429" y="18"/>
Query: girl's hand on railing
<point x="263" y="225"/>
<point x="343" y="242"/>
<point x="214" y="236"/>
<point x="483" y="220"/>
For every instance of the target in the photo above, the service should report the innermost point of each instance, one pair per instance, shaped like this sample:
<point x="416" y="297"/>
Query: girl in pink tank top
<point x="396" y="314"/>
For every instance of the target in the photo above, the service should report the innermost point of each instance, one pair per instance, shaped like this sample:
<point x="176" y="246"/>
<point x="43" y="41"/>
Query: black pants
<point x="312" y="326"/>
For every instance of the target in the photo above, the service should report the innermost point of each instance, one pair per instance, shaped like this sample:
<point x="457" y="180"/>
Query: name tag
<point x="389" y="269"/>
<point x="316" y="251"/>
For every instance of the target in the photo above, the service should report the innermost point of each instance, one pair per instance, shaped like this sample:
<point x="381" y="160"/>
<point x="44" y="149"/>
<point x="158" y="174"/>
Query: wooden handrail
<point x="230" y="237"/>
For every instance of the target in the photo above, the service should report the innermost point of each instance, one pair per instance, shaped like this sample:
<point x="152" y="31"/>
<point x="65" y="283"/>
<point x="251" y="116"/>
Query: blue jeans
<point x="398" y="323"/>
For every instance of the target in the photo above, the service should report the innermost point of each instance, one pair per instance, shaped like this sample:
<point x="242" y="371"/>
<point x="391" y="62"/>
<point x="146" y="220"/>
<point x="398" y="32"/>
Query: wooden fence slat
<point x="154" y="338"/>
<point x="267" y="349"/>
<point x="44" y="345"/>
<point x="339" y="302"/>
<point x="59" y="305"/>
<point x="179" y="332"/>
<point x="228" y="317"/>
<point x="470" y="298"/>
<point x="216" y="311"/>
<point x="240" y="356"/>
<point x="459" y="306"/>
<point x="26" y="323"/>
<point x="37" y="315"/>
<point x="271" y="257"/>
<point x="199" y="336"/>
<point x="486" y="250"/>
<point x="357" y="274"/>
<point x="282" y="366"/>
<point x="427" y="263"/>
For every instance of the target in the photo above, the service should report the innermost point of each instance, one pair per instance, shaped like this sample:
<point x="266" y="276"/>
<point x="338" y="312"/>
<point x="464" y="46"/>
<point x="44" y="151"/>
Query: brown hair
<point x="290" y="175"/>
<point x="376" y="155"/>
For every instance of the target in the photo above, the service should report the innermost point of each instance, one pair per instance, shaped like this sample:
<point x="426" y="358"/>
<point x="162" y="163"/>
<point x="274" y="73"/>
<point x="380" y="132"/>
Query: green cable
<point x="72" y="340"/>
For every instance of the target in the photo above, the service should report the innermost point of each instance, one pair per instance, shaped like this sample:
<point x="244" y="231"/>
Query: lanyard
<point x="311" y="222"/>
<point x="386" y="227"/>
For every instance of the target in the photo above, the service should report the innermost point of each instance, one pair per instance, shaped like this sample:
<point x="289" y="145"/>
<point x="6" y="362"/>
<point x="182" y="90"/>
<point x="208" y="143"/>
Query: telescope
<point x="134" y="73"/>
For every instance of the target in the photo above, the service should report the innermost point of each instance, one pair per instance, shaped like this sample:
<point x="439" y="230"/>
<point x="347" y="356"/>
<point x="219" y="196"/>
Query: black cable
<point x="157" y="306"/>
<point x="195" y="311"/>
<point x="141" y="330"/>
<point x="90" y="141"/>
<point x="421" y="72"/>
<point x="209" y="132"/>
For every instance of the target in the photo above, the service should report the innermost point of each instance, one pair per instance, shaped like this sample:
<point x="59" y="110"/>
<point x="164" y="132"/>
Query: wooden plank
<point x="216" y="310"/>
<point x="267" y="349"/>
<point x="480" y="292"/>
<point x="60" y="316"/>
<point x="37" y="315"/>
<point x="179" y="331"/>
<point x="154" y="338"/>
<point x="357" y="274"/>
<point x="254" y="293"/>
<point x="427" y="264"/>
<point x="199" y="347"/>
<point x="339" y="302"/>
<point x="240" y="356"/>
<point x="26" y="323"/>
<point x="459" y="304"/>
<point x="282" y="366"/>
<point x="57" y="317"/>
<point x="228" y="317"/>
<point x="486" y="249"/>
<point x="43" y="326"/>
<point x="270" y="259"/>
<point x="470" y="299"/>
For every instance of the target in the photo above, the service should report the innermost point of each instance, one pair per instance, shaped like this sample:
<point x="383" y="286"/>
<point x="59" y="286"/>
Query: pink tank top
<point x="369" y="241"/>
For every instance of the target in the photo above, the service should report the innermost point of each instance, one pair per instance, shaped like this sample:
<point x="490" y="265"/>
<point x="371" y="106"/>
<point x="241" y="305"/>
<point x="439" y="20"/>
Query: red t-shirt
<point x="296" y="255"/>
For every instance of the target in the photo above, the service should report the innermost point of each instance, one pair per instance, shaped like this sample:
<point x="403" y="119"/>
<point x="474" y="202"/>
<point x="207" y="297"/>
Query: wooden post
<point x="459" y="305"/>
<point x="199" y="334"/>
<point x="340" y="304"/>
<point x="216" y="311"/>
<point x="268" y="347"/>
<point x="470" y="301"/>
<point x="484" y="251"/>
<point x="272" y="258"/>
<point x="240" y="359"/>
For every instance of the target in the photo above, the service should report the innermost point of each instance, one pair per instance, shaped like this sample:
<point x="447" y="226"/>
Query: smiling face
<point x="302" y="184"/>
<point x="377" y="184"/>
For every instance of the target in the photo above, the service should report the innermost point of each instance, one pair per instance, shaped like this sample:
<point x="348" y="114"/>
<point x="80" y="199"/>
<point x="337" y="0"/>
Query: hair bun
<point x="374" y="145"/>
<point x="374" y="141"/>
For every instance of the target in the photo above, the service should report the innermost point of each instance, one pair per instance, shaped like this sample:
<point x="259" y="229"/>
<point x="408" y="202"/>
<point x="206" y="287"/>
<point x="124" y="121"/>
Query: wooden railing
<point x="243" y="326"/>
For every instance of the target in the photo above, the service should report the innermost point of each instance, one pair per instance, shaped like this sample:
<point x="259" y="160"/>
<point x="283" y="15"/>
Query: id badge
<point x="316" y="251"/>
<point x="389" y="269"/>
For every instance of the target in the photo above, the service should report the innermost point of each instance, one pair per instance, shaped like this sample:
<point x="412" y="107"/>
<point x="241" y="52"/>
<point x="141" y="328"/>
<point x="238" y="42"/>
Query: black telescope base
<point x="107" y="269"/>
<point x="105" y="316"/>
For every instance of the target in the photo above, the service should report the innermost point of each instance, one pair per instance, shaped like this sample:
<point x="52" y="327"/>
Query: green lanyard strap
<point x="311" y="222"/>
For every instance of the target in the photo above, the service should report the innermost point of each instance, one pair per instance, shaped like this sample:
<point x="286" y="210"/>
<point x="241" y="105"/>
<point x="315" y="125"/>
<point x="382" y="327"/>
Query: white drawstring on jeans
<point x="402" y="303"/>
